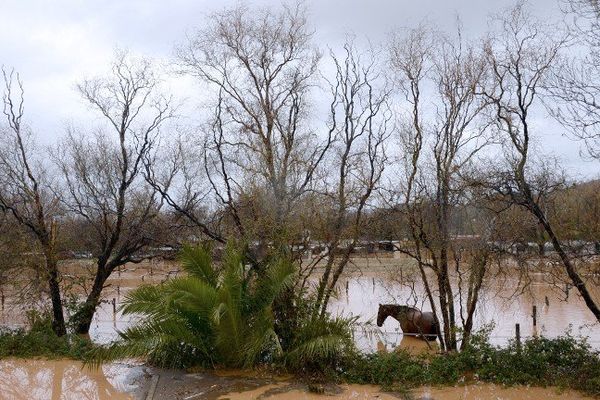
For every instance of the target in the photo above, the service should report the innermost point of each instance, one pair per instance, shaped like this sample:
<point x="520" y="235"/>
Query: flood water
<point x="364" y="392"/>
<point x="504" y="301"/>
<point x="70" y="380"/>
<point x="368" y="283"/>
<point x="67" y="380"/>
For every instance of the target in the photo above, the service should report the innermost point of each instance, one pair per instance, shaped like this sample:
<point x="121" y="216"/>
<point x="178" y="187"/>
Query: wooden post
<point x="518" y="335"/>
<point x="534" y="316"/>
<point x="346" y="290"/>
<point x="3" y="301"/>
<point x="114" y="304"/>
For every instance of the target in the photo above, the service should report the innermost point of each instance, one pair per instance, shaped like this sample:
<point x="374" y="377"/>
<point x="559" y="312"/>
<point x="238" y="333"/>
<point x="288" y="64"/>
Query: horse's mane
<point x="399" y="307"/>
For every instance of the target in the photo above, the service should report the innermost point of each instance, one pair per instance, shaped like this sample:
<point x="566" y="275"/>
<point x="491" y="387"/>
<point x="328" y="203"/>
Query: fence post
<point x="114" y="304"/>
<point x="534" y="316"/>
<point x="518" y="335"/>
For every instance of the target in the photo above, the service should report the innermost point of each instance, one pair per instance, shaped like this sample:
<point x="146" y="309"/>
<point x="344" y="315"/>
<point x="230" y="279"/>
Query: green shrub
<point x="319" y="344"/>
<point x="41" y="341"/>
<point x="385" y="369"/>
<point x="565" y="362"/>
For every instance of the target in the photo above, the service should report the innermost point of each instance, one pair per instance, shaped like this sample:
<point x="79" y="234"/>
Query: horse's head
<point x="382" y="314"/>
<point x="394" y="310"/>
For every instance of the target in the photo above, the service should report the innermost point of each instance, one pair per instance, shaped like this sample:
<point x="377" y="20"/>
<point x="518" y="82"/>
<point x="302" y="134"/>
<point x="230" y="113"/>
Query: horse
<point x="412" y="320"/>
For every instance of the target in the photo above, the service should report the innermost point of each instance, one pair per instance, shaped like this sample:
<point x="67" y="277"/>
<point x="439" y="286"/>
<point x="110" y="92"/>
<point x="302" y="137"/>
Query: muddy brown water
<point x="360" y="392"/>
<point x="369" y="282"/>
<point x="70" y="380"/>
<point x="504" y="301"/>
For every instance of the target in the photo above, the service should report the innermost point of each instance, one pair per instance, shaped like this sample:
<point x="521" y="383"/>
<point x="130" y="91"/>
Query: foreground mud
<point x="70" y="380"/>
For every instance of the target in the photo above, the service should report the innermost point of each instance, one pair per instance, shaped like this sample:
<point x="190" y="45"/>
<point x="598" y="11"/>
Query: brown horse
<point x="412" y="320"/>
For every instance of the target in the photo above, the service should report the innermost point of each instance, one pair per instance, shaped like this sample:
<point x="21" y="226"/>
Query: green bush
<point x="319" y="344"/>
<point x="216" y="315"/>
<point x="565" y="362"/>
<point x="41" y="341"/>
<point x="385" y="369"/>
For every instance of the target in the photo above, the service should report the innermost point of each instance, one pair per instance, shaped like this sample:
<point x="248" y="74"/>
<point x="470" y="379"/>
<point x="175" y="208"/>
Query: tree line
<point x="427" y="137"/>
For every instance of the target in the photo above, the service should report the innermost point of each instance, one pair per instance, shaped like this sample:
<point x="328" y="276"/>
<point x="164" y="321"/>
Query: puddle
<point x="359" y="392"/>
<point x="68" y="380"/>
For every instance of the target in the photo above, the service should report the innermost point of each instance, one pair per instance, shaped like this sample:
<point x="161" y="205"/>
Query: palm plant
<point x="320" y="342"/>
<point x="216" y="315"/>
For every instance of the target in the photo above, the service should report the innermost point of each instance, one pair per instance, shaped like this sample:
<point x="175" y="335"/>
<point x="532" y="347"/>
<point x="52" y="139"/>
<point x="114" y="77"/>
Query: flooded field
<point x="505" y="301"/>
<point x="368" y="283"/>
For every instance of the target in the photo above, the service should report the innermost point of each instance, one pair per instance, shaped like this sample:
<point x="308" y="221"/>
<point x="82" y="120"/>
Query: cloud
<point x="54" y="44"/>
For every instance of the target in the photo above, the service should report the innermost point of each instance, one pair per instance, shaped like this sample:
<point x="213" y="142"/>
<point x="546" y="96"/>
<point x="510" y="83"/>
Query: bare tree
<point x="26" y="189"/>
<point x="103" y="171"/>
<point x="575" y="86"/>
<point x="259" y="68"/>
<point x="456" y="130"/>
<point x="360" y="123"/>
<point x="522" y="55"/>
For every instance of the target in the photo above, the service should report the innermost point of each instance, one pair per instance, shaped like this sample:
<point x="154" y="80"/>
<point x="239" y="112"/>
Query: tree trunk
<point x="476" y="281"/>
<point x="58" y="318"/>
<point x="83" y="317"/>
<point x="569" y="267"/>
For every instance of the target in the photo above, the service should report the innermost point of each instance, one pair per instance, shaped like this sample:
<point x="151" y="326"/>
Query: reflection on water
<point x="66" y="380"/>
<point x="410" y="344"/>
<point x="284" y="391"/>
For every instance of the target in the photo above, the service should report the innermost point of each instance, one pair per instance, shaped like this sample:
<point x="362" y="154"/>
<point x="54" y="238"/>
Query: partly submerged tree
<point x="219" y="314"/>
<point x="102" y="172"/>
<point x="26" y="189"/>
<point x="442" y="138"/>
<point x="522" y="57"/>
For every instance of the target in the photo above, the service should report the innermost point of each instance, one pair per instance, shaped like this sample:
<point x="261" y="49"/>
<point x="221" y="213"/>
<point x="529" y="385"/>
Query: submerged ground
<point x="369" y="282"/>
<point x="70" y="380"/>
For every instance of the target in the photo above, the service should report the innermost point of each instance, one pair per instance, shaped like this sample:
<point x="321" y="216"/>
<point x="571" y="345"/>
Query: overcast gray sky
<point x="56" y="43"/>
